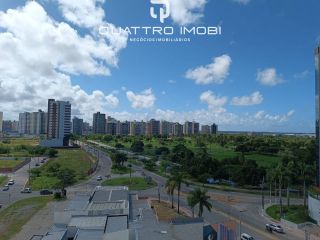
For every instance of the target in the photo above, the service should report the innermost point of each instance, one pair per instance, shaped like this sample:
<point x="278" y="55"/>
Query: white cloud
<point x="112" y="100"/>
<point x="144" y="99"/>
<point x="185" y="12"/>
<point x="172" y="81"/>
<point x="254" y="99"/>
<point x="84" y="13"/>
<point x="262" y="116"/>
<point x="243" y="2"/>
<point x="215" y="104"/>
<point x="302" y="75"/>
<point x="38" y="55"/>
<point x="215" y="72"/>
<point x="269" y="77"/>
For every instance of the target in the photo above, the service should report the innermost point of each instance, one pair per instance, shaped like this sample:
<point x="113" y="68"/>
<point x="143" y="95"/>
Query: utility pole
<point x="262" y="193"/>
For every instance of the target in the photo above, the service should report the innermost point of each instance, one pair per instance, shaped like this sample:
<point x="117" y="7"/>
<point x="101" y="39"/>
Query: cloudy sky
<point x="258" y="75"/>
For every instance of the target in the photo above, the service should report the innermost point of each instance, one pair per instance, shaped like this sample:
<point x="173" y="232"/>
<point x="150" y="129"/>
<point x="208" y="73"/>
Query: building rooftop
<point x="88" y="222"/>
<point x="116" y="223"/>
<point x="86" y="234"/>
<point x="109" y="194"/>
<point x="184" y="220"/>
<point x="56" y="235"/>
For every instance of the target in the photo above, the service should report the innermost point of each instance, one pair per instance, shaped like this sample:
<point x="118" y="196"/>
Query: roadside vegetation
<point x="18" y="214"/>
<point x="295" y="213"/>
<point x="20" y="147"/>
<point x="3" y="179"/>
<point x="68" y="167"/>
<point x="134" y="183"/>
<point x="9" y="163"/>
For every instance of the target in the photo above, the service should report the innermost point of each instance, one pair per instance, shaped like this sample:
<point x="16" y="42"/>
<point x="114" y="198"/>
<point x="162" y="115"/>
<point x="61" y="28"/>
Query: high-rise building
<point x="1" y="120"/>
<point x="137" y="128"/>
<point x="99" y="123"/>
<point x="77" y="126"/>
<point x="24" y="123"/>
<point x="317" y="64"/>
<point x="177" y="129"/>
<point x="205" y="129"/>
<point x="123" y="128"/>
<point x="111" y="126"/>
<point x="38" y="123"/>
<point x="87" y="129"/>
<point x="7" y="126"/>
<point x="166" y="128"/>
<point x="187" y="128"/>
<point x="214" y="128"/>
<point x="195" y="127"/>
<point x="153" y="128"/>
<point x="59" y="124"/>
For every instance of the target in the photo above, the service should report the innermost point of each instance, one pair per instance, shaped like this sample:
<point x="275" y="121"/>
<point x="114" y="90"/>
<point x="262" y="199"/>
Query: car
<point x="45" y="192"/>
<point x="275" y="227"/>
<point x="10" y="182"/>
<point x="42" y="161"/>
<point x="5" y="188"/>
<point x="245" y="236"/>
<point x="37" y="165"/>
<point x="26" y="190"/>
<point x="99" y="178"/>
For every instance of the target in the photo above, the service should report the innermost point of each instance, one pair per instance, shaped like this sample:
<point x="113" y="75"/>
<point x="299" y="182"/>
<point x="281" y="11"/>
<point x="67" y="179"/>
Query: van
<point x="245" y="236"/>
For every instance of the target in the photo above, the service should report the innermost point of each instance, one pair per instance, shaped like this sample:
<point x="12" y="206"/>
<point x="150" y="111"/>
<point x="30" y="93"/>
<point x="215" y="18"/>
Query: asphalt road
<point x="20" y="178"/>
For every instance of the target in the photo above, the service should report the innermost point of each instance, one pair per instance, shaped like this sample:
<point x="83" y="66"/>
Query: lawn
<point x="14" y="144"/>
<point x="295" y="213"/>
<point x="265" y="160"/>
<point x="9" y="163"/>
<point x="3" y="179"/>
<point x="18" y="214"/>
<point x="75" y="159"/>
<point x="136" y="183"/>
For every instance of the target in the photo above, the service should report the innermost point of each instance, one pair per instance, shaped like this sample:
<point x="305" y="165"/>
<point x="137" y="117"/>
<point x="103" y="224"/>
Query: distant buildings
<point x="38" y="123"/>
<point x="59" y="124"/>
<point x="24" y="123"/>
<point x="214" y="128"/>
<point x="153" y="128"/>
<point x="1" y="120"/>
<point x="205" y="129"/>
<point x="77" y="126"/>
<point x="99" y="123"/>
<point x="10" y="126"/>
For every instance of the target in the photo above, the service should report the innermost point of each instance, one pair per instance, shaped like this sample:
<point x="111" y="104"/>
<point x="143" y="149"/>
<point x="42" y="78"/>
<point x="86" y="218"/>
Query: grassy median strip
<point x="136" y="183"/>
<point x="295" y="213"/>
<point x="18" y="214"/>
<point x="3" y="180"/>
<point x="74" y="159"/>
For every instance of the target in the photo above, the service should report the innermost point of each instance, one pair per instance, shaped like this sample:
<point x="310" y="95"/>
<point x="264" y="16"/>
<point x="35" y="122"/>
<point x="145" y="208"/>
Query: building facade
<point x="317" y="65"/>
<point x="77" y="126"/>
<point x="59" y="124"/>
<point x="206" y="129"/>
<point x="177" y="129"/>
<point x="1" y="121"/>
<point x="24" y="123"/>
<point x="214" y="128"/>
<point x="99" y="123"/>
<point x="166" y="128"/>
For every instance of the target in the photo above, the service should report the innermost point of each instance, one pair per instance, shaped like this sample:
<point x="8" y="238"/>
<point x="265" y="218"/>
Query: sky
<point x="257" y="75"/>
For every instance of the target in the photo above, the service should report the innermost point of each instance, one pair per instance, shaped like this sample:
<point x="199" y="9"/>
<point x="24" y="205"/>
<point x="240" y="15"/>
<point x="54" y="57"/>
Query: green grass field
<point x="18" y="214"/>
<point x="15" y="143"/>
<point x="136" y="183"/>
<point x="3" y="180"/>
<point x="295" y="213"/>
<point x="9" y="163"/>
<point x="120" y="170"/>
<point x="75" y="159"/>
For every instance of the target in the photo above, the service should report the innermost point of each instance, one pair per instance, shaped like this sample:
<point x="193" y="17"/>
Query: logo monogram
<point x="164" y="11"/>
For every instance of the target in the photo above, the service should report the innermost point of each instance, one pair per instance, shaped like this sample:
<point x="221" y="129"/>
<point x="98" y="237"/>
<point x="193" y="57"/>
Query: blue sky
<point x="258" y="75"/>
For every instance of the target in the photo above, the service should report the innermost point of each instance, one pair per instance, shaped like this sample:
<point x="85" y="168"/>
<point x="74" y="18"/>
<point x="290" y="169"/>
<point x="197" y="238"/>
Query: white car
<point x="99" y="178"/>
<point x="275" y="227"/>
<point x="245" y="236"/>
<point x="11" y="182"/>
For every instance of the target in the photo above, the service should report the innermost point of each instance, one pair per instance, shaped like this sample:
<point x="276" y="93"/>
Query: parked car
<point x="26" y="190"/>
<point x="45" y="192"/>
<point x="245" y="236"/>
<point x="99" y="178"/>
<point x="37" y="164"/>
<point x="42" y="161"/>
<point x="275" y="227"/>
<point x="5" y="188"/>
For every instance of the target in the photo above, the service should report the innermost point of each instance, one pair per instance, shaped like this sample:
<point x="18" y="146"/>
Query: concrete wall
<point x="314" y="208"/>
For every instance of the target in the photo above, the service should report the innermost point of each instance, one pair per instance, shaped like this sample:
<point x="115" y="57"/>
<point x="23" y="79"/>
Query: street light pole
<point x="240" y="222"/>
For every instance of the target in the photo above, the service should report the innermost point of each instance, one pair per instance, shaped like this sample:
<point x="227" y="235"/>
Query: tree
<point x="35" y="172"/>
<point x="120" y="158"/>
<point x="177" y="178"/>
<point x="200" y="197"/>
<point x="51" y="152"/>
<point x="137" y="146"/>
<point x="170" y="186"/>
<point x="66" y="177"/>
<point x="192" y="201"/>
<point x="53" y="169"/>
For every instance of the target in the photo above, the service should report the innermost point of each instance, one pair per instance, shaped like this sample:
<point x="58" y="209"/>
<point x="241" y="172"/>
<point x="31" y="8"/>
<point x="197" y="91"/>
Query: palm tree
<point x="192" y="201"/>
<point x="200" y="197"/>
<point x="177" y="179"/>
<point x="170" y="186"/>
<point x="280" y="171"/>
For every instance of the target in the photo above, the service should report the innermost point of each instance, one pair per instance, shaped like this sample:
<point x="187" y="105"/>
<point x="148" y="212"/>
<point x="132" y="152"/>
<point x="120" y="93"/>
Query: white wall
<point x="314" y="208"/>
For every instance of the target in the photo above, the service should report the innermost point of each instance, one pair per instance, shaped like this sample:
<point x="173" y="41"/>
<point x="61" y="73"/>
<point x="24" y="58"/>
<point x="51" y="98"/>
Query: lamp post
<point x="130" y="168"/>
<point x="240" y="222"/>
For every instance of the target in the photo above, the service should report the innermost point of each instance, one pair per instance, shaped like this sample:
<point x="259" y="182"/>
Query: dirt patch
<point x="164" y="212"/>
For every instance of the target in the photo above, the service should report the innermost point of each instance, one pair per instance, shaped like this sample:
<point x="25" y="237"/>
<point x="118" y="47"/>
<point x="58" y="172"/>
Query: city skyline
<point x="212" y="80"/>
